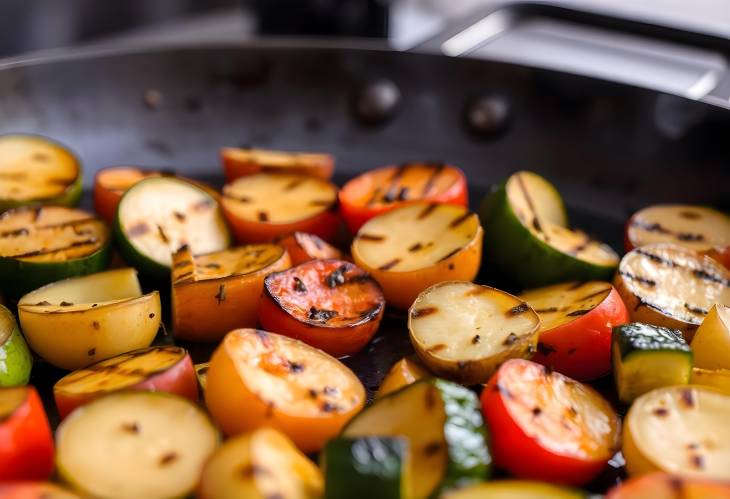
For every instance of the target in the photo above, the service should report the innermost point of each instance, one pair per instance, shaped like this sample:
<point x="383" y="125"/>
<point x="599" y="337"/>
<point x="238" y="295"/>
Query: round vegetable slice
<point x="464" y="331"/>
<point x="329" y="304"/>
<point x="415" y="246"/>
<point x="665" y="486"/>
<point x="529" y="238"/>
<point x="514" y="489"/>
<point x="156" y="216"/>
<point x="696" y="419"/>
<point x="217" y="292"/>
<point x="39" y="245"/>
<point x="576" y="319"/>
<point x="265" y="206"/>
<point x="240" y="162"/>
<point x="711" y="342"/>
<point x="546" y="426"/>
<point x="26" y="452"/>
<point x="15" y="358"/>
<point x="378" y="191"/>
<point x="35" y="490"/>
<point x="258" y="379"/>
<point x="405" y="372"/>
<point x="260" y="464"/>
<point x="303" y="247"/>
<point x="159" y="369"/>
<point x="135" y="444"/>
<point x="76" y="322"/>
<point x="671" y="286"/>
<point x="37" y="170"/>
<point x="111" y="183"/>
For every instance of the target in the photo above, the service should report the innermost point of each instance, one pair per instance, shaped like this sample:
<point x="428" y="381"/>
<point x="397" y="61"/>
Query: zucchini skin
<point x="640" y="337"/>
<point x="16" y="361"/>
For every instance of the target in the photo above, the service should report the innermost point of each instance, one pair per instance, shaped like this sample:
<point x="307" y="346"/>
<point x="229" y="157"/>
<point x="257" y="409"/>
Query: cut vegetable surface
<point x="665" y="486"/>
<point x="646" y="357"/>
<point x="679" y="429"/>
<point x="36" y="170"/>
<point x="159" y="369"/>
<point x="672" y="286"/>
<point x="303" y="247"/>
<point x="329" y="304"/>
<point x="711" y="342"/>
<point x="576" y="319"/>
<point x="15" y="358"/>
<point x="378" y="191"/>
<point x="413" y="247"/>
<point x="240" y="162"/>
<point x="79" y="321"/>
<point x="35" y="490"/>
<point x="157" y="216"/>
<point x="201" y="371"/>
<point x="26" y="442"/>
<point x="530" y="240"/>
<point x="39" y="245"/>
<point x="445" y="432"/>
<point x="545" y="426"/>
<point x="716" y="378"/>
<point x="405" y="372"/>
<point x="464" y="331"/>
<point x="258" y="379"/>
<point x="260" y="465"/>
<point x="110" y="184"/>
<point x="265" y="206"/>
<point x="514" y="489"/>
<point x="217" y="292"/>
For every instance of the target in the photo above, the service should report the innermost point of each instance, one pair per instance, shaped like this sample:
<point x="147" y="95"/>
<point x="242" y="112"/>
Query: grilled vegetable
<point x="671" y="286"/>
<point x="135" y="444"/>
<point x="240" y="162"/>
<point x="646" y="357"/>
<point x="157" y="369"/>
<point x="711" y="342"/>
<point x="260" y="465"/>
<point x="413" y="247"/>
<point x="265" y="206"/>
<point x="530" y="240"/>
<point x="201" y="372"/>
<point x="378" y="191"/>
<point x="665" y="486"/>
<point x="110" y="184"/>
<point x="44" y="244"/>
<point x="329" y="304"/>
<point x="405" y="372"/>
<point x="217" y="292"/>
<point x="15" y="358"/>
<point x="156" y="216"/>
<point x="696" y="227"/>
<point x="366" y="467"/>
<point x="303" y="247"/>
<point x="445" y="433"/>
<point x="35" y="170"/>
<point x="514" y="489"/>
<point x="576" y="319"/>
<point x="258" y="379"/>
<point x="464" y="331"/>
<point x="35" y="490"/>
<point x="79" y="321"/>
<point x="26" y="452"/>
<point x="545" y="426"/>
<point x="679" y="429"/>
<point x="717" y="378"/>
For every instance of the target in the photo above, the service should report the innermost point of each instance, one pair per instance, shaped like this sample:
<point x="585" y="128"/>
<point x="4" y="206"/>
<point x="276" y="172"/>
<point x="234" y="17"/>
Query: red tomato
<point x="34" y="490"/>
<point x="26" y="442"/>
<point x="546" y="426"/>
<point x="303" y="247"/>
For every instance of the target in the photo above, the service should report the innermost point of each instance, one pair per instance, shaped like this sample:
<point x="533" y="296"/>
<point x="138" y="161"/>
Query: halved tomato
<point x="34" y="490"/>
<point x="303" y="247"/>
<point x="239" y="162"/>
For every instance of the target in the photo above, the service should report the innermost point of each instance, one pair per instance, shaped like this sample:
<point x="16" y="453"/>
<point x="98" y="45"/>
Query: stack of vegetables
<point x="497" y="400"/>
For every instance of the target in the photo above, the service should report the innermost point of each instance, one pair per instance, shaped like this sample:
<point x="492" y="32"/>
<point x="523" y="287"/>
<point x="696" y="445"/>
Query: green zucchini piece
<point x="446" y="435"/>
<point x="158" y="215"/>
<point x="35" y="170"/>
<point x="15" y="358"/>
<point x="362" y="468"/>
<point x="44" y="244"/>
<point x="514" y="489"/>
<point x="529" y="239"/>
<point x="646" y="357"/>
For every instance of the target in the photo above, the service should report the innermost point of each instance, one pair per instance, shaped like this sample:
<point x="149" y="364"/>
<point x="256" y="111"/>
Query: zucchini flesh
<point x="562" y="303"/>
<point x="240" y="260"/>
<point x="16" y="360"/>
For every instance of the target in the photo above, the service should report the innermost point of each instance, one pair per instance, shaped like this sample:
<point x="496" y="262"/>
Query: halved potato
<point x="79" y="321"/>
<point x="464" y="331"/>
<point x="711" y="342"/>
<point x="413" y="247"/>
<point x="240" y="161"/>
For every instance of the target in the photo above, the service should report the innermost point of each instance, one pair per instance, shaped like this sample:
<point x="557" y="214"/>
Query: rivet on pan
<point x="376" y="102"/>
<point x="487" y="116"/>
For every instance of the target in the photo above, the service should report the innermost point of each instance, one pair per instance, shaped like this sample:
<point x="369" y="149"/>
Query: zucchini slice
<point x="362" y="468"/>
<point x="39" y="245"/>
<point x="36" y="170"/>
<point x="405" y="372"/>
<point x="681" y="430"/>
<point x="529" y="238"/>
<point x="445" y="430"/>
<point x="464" y="331"/>
<point x="158" y="215"/>
<point x="671" y="286"/>
<point x="15" y="358"/>
<point x="514" y="489"/>
<point x="646" y="357"/>
<point x="711" y="342"/>
<point x="135" y="444"/>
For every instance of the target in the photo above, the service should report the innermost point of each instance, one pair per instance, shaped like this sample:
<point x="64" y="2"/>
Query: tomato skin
<point x="26" y="442"/>
<point x="581" y="349"/>
<point x="324" y="225"/>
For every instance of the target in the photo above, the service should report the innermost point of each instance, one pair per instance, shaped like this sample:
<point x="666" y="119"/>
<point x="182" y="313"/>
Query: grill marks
<point x="423" y="312"/>
<point x="658" y="228"/>
<point x="530" y="205"/>
<point x="371" y="238"/>
<point x="389" y="265"/>
<point x="460" y="220"/>
<point x="428" y="210"/>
